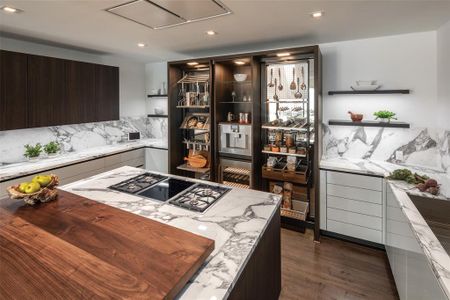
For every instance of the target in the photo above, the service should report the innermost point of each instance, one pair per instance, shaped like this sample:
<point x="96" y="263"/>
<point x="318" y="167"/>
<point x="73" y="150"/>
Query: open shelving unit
<point x="375" y="92"/>
<point x="392" y="124"/>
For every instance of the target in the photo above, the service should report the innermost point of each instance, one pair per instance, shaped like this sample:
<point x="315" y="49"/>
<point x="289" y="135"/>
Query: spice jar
<point x="275" y="148"/>
<point x="283" y="149"/>
<point x="289" y="139"/>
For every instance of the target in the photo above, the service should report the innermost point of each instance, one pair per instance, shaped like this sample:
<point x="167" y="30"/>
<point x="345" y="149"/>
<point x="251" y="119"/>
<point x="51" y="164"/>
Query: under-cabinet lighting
<point x="317" y="14"/>
<point x="10" y="9"/>
<point x="239" y="62"/>
<point x="211" y="32"/>
<point x="142" y="45"/>
<point x="192" y="63"/>
<point x="283" y="54"/>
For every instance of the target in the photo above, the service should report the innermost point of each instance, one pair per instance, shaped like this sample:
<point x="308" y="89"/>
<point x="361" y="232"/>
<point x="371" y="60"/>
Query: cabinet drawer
<point x="130" y="155"/>
<point x="355" y="231"/>
<point x="361" y="207"/>
<point x="112" y="160"/>
<point x="354" y="218"/>
<point x="359" y="181"/>
<point x="354" y="193"/>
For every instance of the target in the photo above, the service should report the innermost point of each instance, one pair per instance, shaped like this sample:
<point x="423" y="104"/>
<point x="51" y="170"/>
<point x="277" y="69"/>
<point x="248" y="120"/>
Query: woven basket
<point x="45" y="194"/>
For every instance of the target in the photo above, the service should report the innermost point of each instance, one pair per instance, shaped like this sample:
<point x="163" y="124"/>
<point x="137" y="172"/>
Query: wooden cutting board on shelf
<point x="77" y="248"/>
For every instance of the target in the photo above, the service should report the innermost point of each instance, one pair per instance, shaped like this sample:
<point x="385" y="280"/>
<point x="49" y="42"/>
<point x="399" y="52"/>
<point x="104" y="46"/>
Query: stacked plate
<point x="366" y="85"/>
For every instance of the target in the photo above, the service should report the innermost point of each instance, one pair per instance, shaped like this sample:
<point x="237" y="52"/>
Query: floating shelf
<point x="193" y="106"/>
<point x="303" y="128"/>
<point x="352" y="92"/>
<point x="157" y="116"/>
<point x="186" y="167"/>
<point x="283" y="153"/>
<point x="369" y="124"/>
<point x="288" y="101"/>
<point x="156" y="96"/>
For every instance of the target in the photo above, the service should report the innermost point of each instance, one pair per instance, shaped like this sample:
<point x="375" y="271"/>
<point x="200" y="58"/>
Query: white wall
<point x="443" y="71"/>
<point x="131" y="74"/>
<point x="398" y="62"/>
<point x="156" y="78"/>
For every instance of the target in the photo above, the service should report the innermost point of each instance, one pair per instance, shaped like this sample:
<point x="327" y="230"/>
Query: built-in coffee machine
<point x="235" y="139"/>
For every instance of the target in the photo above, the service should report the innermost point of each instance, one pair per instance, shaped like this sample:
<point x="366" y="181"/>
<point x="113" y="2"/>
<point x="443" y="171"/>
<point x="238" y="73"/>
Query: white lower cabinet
<point x="352" y="205"/>
<point x="157" y="160"/>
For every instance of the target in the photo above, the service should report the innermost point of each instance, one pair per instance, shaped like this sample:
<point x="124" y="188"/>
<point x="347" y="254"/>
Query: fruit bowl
<point x="45" y="194"/>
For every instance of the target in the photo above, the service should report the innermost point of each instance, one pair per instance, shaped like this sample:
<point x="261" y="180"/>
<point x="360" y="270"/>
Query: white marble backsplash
<point x="78" y="137"/>
<point x="421" y="147"/>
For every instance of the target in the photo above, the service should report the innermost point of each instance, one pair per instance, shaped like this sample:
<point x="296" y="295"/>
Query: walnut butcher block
<point x="76" y="248"/>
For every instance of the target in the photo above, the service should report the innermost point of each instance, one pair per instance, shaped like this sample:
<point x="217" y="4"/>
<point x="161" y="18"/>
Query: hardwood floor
<point x="333" y="269"/>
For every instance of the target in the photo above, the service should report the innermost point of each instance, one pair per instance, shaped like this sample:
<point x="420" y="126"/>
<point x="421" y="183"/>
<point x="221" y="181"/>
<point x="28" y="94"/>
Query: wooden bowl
<point x="45" y="194"/>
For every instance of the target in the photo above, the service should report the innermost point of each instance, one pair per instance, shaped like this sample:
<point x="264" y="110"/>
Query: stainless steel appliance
<point x="235" y="173"/>
<point x="235" y="139"/>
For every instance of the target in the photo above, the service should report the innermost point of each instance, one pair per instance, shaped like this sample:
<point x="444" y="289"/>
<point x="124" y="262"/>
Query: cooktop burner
<point x="200" y="197"/>
<point x="138" y="183"/>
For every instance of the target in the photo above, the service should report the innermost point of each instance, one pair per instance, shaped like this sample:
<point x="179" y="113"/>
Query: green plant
<point x="32" y="151"/>
<point x="52" y="147"/>
<point x="384" y="114"/>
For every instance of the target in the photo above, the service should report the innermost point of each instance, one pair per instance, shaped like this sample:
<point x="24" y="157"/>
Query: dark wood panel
<point x="106" y="93"/>
<point x="96" y="251"/>
<point x="80" y="93"/>
<point x="13" y="90"/>
<point x="46" y="91"/>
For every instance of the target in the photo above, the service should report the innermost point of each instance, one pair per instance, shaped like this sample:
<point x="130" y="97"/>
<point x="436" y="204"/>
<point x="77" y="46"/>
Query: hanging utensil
<point x="280" y="86"/>
<point x="298" y="95"/>
<point x="293" y="86"/>
<point x="275" y="96"/>
<point x="303" y="86"/>
<point x="271" y="79"/>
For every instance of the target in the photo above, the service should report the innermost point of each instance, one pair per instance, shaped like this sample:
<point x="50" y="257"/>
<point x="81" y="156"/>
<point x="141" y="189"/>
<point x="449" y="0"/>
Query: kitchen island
<point x="244" y="225"/>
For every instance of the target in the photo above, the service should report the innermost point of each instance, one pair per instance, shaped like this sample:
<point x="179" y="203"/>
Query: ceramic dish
<point x="365" y="87"/>
<point x="240" y="77"/>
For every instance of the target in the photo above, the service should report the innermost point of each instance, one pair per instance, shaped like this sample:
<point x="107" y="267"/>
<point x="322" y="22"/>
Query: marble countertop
<point x="236" y="223"/>
<point x="30" y="167"/>
<point x="438" y="258"/>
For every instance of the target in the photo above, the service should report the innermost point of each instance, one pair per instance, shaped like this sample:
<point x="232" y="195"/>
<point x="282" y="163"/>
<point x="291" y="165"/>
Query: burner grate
<point x="136" y="184"/>
<point x="200" y="197"/>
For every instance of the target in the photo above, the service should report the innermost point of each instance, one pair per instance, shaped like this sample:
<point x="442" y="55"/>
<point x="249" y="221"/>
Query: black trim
<point x="330" y="93"/>
<point x="350" y="172"/>
<point x="157" y="116"/>
<point x="235" y="156"/>
<point x="156" y="96"/>
<point x="369" y="124"/>
<point x="352" y="240"/>
<point x="79" y="162"/>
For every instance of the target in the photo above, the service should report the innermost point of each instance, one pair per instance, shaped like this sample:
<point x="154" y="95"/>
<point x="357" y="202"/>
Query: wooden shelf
<point x="283" y="153"/>
<point x="186" y="167"/>
<point x="369" y="124"/>
<point x="352" y="92"/>
<point x="157" y="116"/>
<point x="156" y="96"/>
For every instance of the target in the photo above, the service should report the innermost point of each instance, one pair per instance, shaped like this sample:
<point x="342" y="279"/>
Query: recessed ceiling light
<point x="192" y="63"/>
<point x="283" y="54"/>
<point x="317" y="14"/>
<point x="142" y="45"/>
<point x="211" y="32"/>
<point x="239" y="62"/>
<point x="10" y="9"/>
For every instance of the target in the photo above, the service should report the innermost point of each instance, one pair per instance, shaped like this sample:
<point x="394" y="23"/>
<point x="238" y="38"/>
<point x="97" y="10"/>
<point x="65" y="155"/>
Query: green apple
<point x="32" y="187"/>
<point x="22" y="186"/>
<point x="43" y="180"/>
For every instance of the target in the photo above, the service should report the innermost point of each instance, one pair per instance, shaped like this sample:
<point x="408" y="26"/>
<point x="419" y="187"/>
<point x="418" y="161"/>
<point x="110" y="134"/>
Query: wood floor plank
<point x="333" y="269"/>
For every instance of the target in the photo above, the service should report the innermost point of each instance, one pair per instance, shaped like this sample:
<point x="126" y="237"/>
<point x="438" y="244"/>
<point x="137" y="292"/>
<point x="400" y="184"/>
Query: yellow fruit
<point x="43" y="180"/>
<point x="22" y="187"/>
<point x="32" y="187"/>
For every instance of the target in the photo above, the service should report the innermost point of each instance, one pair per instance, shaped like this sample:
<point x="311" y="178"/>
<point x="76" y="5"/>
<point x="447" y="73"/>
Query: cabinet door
<point x="13" y="90"/>
<point x="80" y="93"/>
<point x="106" y="93"/>
<point x="156" y="160"/>
<point x="46" y="91"/>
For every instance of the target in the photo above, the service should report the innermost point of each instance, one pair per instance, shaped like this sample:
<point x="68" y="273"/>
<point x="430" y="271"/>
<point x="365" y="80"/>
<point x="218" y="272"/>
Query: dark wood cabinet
<point x="13" y="90"/>
<point x="38" y="91"/>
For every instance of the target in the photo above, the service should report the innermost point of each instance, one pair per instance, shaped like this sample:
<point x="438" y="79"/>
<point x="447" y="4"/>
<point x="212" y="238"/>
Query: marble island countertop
<point x="437" y="256"/>
<point x="28" y="167"/>
<point x="236" y="223"/>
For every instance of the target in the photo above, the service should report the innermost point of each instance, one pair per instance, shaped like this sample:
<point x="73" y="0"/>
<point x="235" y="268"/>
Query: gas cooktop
<point x="183" y="193"/>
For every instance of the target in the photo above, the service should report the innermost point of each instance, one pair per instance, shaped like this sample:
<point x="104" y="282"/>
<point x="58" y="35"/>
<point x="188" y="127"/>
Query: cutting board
<point x="76" y="248"/>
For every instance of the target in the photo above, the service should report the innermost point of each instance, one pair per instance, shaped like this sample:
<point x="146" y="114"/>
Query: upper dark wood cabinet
<point x="13" y="90"/>
<point x="37" y="91"/>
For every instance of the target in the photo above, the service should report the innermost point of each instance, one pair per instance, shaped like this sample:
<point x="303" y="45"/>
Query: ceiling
<point x="252" y="25"/>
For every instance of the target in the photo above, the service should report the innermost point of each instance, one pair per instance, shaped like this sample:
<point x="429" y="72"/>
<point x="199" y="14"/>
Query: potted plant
<point x="32" y="152"/>
<point x="384" y="115"/>
<point x="52" y="148"/>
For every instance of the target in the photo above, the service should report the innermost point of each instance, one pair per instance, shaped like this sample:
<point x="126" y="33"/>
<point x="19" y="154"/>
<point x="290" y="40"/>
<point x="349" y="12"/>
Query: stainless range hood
<point x="159" y="14"/>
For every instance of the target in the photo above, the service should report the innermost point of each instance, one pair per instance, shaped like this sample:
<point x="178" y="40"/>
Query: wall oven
<point x="235" y="173"/>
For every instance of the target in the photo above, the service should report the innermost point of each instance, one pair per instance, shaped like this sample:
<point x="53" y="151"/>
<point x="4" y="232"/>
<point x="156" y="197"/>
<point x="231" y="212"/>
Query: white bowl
<point x="366" y="82"/>
<point x="240" y="77"/>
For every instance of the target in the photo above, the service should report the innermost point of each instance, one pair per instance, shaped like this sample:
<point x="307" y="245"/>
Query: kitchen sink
<point x="436" y="213"/>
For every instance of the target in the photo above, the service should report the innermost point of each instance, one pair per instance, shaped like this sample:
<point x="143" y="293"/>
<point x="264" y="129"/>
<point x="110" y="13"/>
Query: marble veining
<point x="79" y="137"/>
<point x="236" y="223"/>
